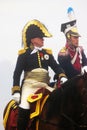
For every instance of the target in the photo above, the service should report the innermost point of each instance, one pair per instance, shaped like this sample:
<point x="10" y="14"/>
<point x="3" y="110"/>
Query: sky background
<point x="14" y="14"/>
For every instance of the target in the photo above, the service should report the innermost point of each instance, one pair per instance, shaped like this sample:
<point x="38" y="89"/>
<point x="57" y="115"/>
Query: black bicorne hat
<point x="34" y="29"/>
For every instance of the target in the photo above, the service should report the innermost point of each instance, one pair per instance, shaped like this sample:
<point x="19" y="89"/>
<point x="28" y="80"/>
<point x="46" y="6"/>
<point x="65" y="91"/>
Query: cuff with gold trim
<point x="62" y="75"/>
<point x="15" y="89"/>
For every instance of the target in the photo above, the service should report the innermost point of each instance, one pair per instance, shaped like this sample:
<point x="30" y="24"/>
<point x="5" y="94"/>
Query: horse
<point x="65" y="108"/>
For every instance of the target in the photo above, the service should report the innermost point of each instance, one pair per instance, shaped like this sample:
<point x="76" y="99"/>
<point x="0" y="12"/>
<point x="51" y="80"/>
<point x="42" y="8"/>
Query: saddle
<point x="37" y="102"/>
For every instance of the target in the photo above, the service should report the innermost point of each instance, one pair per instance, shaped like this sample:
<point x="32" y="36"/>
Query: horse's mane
<point x="62" y="97"/>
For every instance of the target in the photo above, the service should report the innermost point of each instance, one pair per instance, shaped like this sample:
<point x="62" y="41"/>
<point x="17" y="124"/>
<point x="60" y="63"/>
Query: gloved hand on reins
<point x="60" y="80"/>
<point x="63" y="80"/>
<point x="84" y="69"/>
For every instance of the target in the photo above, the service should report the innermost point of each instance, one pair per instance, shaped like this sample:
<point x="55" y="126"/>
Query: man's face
<point x="38" y="42"/>
<point x="74" y="41"/>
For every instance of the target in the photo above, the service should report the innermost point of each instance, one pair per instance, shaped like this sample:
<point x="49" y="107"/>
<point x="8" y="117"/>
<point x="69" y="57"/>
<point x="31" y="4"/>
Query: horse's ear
<point x="85" y="75"/>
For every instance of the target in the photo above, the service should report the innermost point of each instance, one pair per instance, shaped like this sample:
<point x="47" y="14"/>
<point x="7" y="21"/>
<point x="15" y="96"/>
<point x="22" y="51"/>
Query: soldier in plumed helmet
<point x="34" y="61"/>
<point x="72" y="57"/>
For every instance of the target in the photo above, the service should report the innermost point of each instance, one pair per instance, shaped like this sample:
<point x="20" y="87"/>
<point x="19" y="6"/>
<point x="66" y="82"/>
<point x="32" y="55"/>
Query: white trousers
<point x="30" y="86"/>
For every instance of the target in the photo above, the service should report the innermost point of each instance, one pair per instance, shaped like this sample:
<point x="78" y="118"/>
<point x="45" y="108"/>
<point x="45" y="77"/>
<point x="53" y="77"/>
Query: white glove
<point x="63" y="80"/>
<point x="84" y="69"/>
<point x="16" y="97"/>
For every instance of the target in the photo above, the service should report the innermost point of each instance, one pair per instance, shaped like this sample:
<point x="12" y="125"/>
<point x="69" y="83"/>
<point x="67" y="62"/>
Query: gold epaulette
<point x="63" y="50"/>
<point x="49" y="51"/>
<point x="22" y="51"/>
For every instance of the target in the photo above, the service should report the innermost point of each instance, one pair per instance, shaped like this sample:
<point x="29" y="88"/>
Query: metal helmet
<point x="70" y="28"/>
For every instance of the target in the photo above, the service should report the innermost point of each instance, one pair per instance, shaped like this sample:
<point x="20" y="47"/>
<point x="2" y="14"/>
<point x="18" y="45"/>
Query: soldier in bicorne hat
<point x="34" y="61"/>
<point x="72" y="57"/>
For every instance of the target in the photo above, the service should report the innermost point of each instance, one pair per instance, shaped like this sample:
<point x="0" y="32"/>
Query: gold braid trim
<point x="15" y="88"/>
<point x="39" y="61"/>
<point x="62" y="75"/>
<point x="7" y="112"/>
